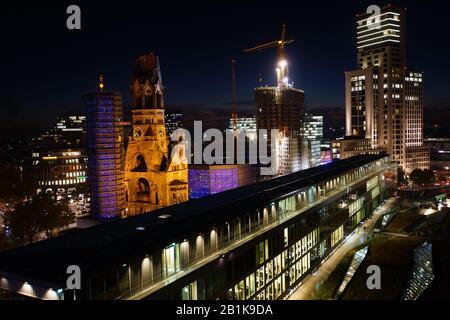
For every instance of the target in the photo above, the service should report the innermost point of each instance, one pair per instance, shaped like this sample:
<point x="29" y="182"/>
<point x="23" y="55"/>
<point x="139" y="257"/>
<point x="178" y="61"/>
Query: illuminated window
<point x="250" y="285"/>
<point x="169" y="260"/>
<point x="286" y="237"/>
<point x="189" y="292"/>
<point x="269" y="271"/>
<point x="260" y="276"/>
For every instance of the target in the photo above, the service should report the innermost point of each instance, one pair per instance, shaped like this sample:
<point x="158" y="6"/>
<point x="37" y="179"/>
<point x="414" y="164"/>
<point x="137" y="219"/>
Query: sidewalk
<point x="312" y="283"/>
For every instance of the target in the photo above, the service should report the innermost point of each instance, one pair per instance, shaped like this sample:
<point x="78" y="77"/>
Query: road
<point x="312" y="283"/>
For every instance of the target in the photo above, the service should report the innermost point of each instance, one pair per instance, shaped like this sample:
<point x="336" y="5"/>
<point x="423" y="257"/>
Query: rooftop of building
<point x="383" y="9"/>
<point x="116" y="94"/>
<point x="351" y="138"/>
<point x="219" y="166"/>
<point x="289" y="88"/>
<point x="118" y="240"/>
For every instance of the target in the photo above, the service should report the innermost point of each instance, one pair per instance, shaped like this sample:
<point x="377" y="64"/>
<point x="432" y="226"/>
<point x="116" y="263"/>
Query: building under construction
<point x="282" y="108"/>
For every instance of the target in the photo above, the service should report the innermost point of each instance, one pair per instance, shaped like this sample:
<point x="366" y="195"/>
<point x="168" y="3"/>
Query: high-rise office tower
<point x="154" y="176"/>
<point x="384" y="98"/>
<point x="105" y="153"/>
<point x="313" y="136"/>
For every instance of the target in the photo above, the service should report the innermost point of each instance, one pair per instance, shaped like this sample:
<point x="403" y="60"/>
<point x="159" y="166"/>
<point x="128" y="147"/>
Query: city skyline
<point x="197" y="153"/>
<point x="198" y="77"/>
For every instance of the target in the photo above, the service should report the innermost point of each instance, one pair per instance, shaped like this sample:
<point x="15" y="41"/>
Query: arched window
<point x="143" y="186"/>
<point x="158" y="100"/>
<point x="140" y="163"/>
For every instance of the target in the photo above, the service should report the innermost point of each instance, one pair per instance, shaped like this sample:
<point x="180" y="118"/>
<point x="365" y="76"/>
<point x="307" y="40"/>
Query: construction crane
<point x="234" y="111"/>
<point x="282" y="69"/>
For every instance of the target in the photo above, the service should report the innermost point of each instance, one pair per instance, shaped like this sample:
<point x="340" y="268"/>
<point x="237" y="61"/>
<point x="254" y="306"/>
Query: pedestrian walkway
<point x="312" y="283"/>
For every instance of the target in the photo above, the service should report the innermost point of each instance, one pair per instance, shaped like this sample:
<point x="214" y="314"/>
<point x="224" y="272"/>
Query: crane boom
<point x="262" y="47"/>
<point x="280" y="44"/>
<point x="282" y="69"/>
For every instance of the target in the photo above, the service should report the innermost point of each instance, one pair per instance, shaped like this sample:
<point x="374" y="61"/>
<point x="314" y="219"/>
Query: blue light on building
<point x="206" y="180"/>
<point x="105" y="152"/>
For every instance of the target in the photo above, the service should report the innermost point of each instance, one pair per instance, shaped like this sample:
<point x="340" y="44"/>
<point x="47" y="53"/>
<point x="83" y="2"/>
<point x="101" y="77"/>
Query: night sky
<point x="45" y="68"/>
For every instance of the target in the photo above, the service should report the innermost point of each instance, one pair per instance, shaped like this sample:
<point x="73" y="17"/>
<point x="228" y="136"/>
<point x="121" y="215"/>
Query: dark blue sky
<point x="45" y="68"/>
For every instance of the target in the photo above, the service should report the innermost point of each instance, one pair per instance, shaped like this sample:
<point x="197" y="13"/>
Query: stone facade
<point x="153" y="177"/>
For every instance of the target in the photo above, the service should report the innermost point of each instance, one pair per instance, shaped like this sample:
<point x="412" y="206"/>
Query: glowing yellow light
<point x="100" y="85"/>
<point x="283" y="63"/>
<point x="49" y="158"/>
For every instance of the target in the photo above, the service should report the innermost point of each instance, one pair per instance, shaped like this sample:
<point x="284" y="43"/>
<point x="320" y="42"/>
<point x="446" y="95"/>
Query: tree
<point x="401" y="177"/>
<point x="24" y="222"/>
<point x="2" y="240"/>
<point x="5" y="243"/>
<point x="13" y="184"/>
<point x="40" y="214"/>
<point x="421" y="177"/>
<point x="9" y="181"/>
<point x="56" y="215"/>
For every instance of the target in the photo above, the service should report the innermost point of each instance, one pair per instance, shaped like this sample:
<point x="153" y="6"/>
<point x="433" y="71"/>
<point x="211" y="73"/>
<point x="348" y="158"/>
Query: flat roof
<point x="278" y="88"/>
<point x="115" y="241"/>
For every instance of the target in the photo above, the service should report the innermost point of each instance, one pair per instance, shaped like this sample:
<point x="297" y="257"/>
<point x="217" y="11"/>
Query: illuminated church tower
<point x="153" y="178"/>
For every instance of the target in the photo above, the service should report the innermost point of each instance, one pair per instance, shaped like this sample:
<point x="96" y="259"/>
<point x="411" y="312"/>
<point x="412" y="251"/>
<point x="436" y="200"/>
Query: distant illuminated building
<point x="351" y="146"/>
<point x="326" y="156"/>
<point x="313" y="136"/>
<point x="105" y="147"/>
<point x="205" y="180"/>
<point x="247" y="124"/>
<point x="313" y="127"/>
<point x="439" y="147"/>
<point x="173" y="122"/>
<point x="71" y="129"/>
<point x="59" y="169"/>
<point x="56" y="161"/>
